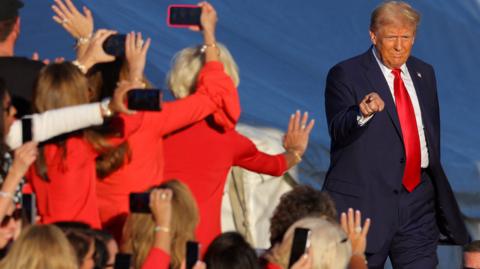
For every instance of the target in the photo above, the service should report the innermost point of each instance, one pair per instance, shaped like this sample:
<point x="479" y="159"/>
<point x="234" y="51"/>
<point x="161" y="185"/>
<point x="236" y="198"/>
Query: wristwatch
<point x="107" y="112"/>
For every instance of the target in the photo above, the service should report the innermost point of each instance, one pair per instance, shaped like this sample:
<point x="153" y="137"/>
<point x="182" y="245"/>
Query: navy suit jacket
<point x="367" y="162"/>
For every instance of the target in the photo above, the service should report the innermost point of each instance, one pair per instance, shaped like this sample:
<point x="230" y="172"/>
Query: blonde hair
<point x="41" y="247"/>
<point x="186" y="65"/>
<point x="329" y="246"/>
<point x="60" y="85"/>
<point x="139" y="228"/>
<point x="393" y="12"/>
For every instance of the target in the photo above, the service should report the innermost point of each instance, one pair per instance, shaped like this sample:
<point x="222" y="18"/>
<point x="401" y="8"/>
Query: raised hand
<point x="161" y="207"/>
<point x="298" y="133"/>
<point x="94" y="53"/>
<point x="371" y="104"/>
<point x="351" y="223"/>
<point x="79" y="25"/>
<point x="136" y="55"/>
<point x="117" y="104"/>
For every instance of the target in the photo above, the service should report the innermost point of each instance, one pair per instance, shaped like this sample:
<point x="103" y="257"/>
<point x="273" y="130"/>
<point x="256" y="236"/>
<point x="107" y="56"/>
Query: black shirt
<point x="20" y="75"/>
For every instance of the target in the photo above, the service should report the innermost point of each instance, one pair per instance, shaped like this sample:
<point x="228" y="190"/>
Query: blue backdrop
<point x="284" y="50"/>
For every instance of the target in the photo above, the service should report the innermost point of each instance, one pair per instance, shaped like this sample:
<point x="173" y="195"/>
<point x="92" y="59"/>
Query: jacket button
<point x="402" y="160"/>
<point x="395" y="191"/>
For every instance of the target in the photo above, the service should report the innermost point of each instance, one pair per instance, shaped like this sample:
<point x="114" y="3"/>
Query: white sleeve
<point x="55" y="122"/>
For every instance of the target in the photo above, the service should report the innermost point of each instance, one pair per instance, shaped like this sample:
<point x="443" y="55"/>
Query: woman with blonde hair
<point x="141" y="229"/>
<point x="40" y="247"/>
<point x="143" y="165"/>
<point x="329" y="246"/>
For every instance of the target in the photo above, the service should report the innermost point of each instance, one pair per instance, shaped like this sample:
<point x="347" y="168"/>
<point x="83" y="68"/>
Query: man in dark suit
<point x="19" y="73"/>
<point x="383" y="118"/>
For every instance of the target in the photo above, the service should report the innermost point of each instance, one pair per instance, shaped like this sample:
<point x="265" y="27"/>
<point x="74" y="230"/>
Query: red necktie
<point x="408" y="124"/>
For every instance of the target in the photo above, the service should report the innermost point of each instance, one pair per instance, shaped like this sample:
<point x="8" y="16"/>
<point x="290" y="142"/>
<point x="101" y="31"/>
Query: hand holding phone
<point x="184" y="16"/>
<point x="192" y="254"/>
<point x="145" y="99"/>
<point x="300" y="244"/>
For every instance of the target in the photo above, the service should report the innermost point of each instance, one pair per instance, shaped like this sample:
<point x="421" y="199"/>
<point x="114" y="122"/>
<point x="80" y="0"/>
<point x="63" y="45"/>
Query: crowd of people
<point x="88" y="153"/>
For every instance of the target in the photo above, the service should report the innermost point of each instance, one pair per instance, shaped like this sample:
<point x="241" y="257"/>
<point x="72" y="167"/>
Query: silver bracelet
<point x="84" y="40"/>
<point x="80" y="66"/>
<point x="5" y="194"/>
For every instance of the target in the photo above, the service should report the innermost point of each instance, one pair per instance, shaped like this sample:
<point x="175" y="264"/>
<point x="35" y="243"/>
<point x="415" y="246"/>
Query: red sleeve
<point x="215" y="93"/>
<point x="127" y="125"/>
<point x="156" y="259"/>
<point x="249" y="157"/>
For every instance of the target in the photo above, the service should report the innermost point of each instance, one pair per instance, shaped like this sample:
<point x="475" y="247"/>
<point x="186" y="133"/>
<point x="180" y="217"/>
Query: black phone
<point x="26" y="130"/>
<point x="184" y="15"/>
<point x="29" y="207"/>
<point x="139" y="202"/>
<point x="115" y="45"/>
<point x="145" y="99"/>
<point x="300" y="244"/>
<point x="192" y="253"/>
<point x="122" y="261"/>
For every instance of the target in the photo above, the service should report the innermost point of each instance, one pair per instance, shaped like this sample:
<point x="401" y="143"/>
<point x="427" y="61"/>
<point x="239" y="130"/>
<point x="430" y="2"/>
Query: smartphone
<point x="29" y="207"/>
<point x="26" y="130"/>
<point x="300" y="244"/>
<point x="115" y="45"/>
<point x="139" y="202"/>
<point x="193" y="253"/>
<point x="122" y="261"/>
<point x="184" y="15"/>
<point x="145" y="99"/>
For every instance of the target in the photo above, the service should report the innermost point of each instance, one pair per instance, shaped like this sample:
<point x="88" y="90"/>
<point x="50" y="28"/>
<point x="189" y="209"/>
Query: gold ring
<point x="358" y="229"/>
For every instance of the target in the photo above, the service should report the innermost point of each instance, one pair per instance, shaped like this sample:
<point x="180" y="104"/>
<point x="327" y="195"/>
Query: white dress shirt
<point x="407" y="80"/>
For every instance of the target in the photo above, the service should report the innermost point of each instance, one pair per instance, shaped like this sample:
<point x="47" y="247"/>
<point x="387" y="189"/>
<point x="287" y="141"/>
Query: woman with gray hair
<point x="329" y="246"/>
<point x="202" y="154"/>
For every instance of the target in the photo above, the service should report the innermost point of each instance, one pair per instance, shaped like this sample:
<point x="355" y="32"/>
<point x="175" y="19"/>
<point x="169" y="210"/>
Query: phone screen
<point x="184" y="15"/>
<point x="300" y="243"/>
<point x="193" y="253"/>
<point x="115" y="45"/>
<point x="26" y="130"/>
<point x="122" y="261"/>
<point x="29" y="207"/>
<point x="144" y="99"/>
<point x="139" y="202"/>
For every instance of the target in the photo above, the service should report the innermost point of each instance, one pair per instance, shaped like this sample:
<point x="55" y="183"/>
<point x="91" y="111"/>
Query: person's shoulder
<point x="419" y="64"/>
<point x="21" y="62"/>
<point x="352" y="63"/>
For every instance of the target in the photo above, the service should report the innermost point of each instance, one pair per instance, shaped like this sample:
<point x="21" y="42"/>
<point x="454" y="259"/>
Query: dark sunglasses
<point x="16" y="215"/>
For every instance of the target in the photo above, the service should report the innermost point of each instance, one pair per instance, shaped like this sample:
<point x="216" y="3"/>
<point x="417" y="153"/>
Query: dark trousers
<point x="413" y="245"/>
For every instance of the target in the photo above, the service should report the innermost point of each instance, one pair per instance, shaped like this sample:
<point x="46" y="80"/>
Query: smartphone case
<point x="169" y="14"/>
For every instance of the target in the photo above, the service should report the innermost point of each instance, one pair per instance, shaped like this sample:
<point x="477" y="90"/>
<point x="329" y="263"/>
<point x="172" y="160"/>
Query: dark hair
<point x="102" y="255"/>
<point x="302" y="201"/>
<point x="3" y="146"/>
<point x="80" y="237"/>
<point x="230" y="251"/>
<point x="473" y="246"/>
<point x="6" y="27"/>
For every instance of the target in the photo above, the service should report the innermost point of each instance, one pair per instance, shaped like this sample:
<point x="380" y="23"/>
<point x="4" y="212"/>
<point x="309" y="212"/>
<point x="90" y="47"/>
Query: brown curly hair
<point x="302" y="201"/>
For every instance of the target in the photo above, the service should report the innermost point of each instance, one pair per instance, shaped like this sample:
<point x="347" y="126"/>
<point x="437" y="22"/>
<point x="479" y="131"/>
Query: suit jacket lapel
<point x="418" y="83"/>
<point x="380" y="85"/>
